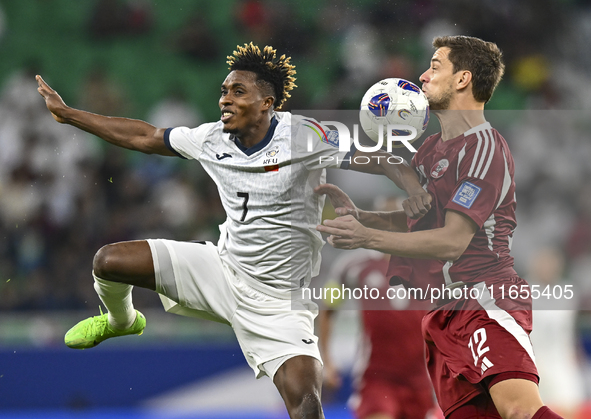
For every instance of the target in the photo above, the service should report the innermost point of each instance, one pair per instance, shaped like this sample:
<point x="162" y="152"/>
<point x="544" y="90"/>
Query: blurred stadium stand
<point x="64" y="194"/>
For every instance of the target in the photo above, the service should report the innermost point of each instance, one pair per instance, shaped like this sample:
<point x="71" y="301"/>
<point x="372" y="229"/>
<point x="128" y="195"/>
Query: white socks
<point x="116" y="297"/>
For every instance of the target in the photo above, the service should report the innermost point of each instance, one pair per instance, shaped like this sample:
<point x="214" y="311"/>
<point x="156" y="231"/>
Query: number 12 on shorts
<point x="476" y="345"/>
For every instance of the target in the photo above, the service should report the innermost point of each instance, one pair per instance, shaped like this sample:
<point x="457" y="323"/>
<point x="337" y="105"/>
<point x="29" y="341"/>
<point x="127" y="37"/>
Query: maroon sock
<point x="545" y="413"/>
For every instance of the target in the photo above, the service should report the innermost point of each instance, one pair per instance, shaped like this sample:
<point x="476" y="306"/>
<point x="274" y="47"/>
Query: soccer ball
<point x="394" y="102"/>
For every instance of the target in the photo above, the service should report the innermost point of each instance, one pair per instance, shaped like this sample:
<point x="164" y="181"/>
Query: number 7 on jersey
<point x="244" y="204"/>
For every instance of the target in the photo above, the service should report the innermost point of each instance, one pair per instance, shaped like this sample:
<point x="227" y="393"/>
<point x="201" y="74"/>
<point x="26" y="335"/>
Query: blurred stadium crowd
<point x="64" y="194"/>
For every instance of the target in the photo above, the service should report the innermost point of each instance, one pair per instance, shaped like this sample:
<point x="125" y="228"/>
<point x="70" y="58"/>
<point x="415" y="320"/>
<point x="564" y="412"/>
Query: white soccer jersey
<point x="267" y="192"/>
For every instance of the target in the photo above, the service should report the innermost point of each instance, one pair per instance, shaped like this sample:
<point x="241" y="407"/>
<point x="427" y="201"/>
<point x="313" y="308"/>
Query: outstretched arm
<point x="446" y="243"/>
<point x="380" y="220"/>
<point x="123" y="132"/>
<point x="399" y="172"/>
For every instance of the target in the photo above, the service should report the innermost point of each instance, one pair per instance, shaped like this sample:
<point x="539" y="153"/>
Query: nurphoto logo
<point x="395" y="133"/>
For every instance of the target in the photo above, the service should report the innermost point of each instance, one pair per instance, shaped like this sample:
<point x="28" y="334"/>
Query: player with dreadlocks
<point x="249" y="279"/>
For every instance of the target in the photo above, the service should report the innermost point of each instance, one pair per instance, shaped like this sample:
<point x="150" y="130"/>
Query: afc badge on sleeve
<point x="332" y="138"/>
<point x="466" y="194"/>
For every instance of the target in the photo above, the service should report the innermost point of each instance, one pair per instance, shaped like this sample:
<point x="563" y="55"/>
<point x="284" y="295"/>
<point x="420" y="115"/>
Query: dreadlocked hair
<point x="277" y="72"/>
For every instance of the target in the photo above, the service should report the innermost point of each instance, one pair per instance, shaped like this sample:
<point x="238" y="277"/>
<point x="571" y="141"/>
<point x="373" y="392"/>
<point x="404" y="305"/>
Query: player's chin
<point x="436" y="106"/>
<point x="229" y="129"/>
<point x="439" y="103"/>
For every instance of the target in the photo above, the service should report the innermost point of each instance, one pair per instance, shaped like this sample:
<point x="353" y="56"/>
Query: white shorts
<point x="194" y="281"/>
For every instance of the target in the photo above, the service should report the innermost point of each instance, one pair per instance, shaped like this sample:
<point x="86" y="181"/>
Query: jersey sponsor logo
<point x="222" y="156"/>
<point x="439" y="168"/>
<point x="272" y="168"/>
<point x="308" y="341"/>
<point x="466" y="194"/>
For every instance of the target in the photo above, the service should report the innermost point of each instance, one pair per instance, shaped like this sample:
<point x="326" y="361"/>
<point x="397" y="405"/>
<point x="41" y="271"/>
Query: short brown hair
<point x="483" y="59"/>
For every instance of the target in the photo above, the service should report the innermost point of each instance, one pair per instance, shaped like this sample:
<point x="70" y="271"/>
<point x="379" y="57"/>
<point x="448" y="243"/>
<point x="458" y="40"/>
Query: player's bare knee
<point x="311" y="399"/>
<point x="515" y="412"/>
<point x="103" y="262"/>
<point x="308" y="405"/>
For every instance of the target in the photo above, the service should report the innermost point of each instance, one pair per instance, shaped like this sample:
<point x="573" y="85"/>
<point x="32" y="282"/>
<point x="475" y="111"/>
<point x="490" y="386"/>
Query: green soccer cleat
<point x="92" y="331"/>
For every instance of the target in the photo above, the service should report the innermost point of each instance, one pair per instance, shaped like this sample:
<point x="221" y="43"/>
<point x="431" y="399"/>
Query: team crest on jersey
<point x="271" y="159"/>
<point x="439" y="168"/>
<point x="272" y="153"/>
<point x="466" y="194"/>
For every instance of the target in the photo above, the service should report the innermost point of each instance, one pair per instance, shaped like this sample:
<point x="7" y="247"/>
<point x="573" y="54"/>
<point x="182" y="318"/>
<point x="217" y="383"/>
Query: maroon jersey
<point x="472" y="174"/>
<point x="392" y="346"/>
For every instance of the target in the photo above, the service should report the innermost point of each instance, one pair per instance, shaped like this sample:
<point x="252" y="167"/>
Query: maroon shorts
<point x="398" y="400"/>
<point x="470" y="341"/>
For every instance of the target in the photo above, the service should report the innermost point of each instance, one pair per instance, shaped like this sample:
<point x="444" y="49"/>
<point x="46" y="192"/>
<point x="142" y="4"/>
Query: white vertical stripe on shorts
<point x="504" y="319"/>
